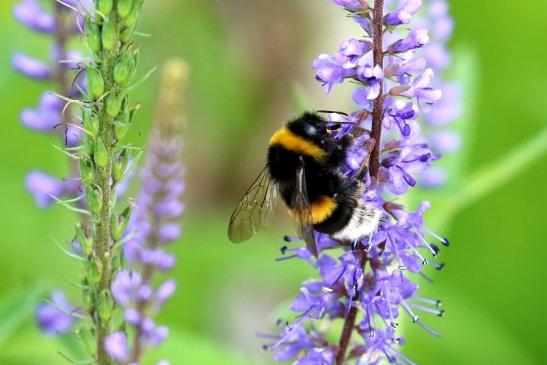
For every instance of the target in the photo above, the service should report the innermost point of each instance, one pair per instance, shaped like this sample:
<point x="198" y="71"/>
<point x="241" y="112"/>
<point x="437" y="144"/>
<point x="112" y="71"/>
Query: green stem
<point x="102" y="223"/>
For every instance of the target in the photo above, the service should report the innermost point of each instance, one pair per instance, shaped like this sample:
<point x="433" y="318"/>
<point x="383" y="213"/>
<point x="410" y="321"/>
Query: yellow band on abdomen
<point x="319" y="211"/>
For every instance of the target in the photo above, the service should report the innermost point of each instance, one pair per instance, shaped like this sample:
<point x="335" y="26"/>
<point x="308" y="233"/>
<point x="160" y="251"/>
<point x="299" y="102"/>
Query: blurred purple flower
<point x="54" y="318"/>
<point x="32" y="15"/>
<point x="116" y="346"/>
<point x="31" y="67"/>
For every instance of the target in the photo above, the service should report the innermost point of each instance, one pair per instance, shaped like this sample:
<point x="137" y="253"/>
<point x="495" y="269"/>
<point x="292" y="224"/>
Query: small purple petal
<point x="32" y="15"/>
<point x="53" y="318"/>
<point x="31" y="67"/>
<point x="116" y="346"/>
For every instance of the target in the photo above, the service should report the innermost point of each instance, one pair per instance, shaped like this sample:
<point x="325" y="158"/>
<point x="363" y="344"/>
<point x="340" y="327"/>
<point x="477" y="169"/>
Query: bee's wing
<point x="254" y="210"/>
<point x="301" y="203"/>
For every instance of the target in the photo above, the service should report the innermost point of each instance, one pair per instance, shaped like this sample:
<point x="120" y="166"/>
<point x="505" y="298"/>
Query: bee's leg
<point x="369" y="144"/>
<point x="338" y="155"/>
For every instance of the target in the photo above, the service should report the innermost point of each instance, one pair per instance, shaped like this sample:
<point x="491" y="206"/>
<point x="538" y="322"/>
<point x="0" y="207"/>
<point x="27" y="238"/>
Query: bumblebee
<point x="304" y="166"/>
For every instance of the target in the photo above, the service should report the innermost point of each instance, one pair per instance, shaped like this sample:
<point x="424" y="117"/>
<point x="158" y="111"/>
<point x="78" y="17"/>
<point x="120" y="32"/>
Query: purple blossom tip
<point x="31" y="67"/>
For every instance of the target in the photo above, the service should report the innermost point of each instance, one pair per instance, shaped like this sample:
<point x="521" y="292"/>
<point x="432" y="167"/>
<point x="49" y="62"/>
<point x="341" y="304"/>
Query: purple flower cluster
<point x="154" y="224"/>
<point x="49" y="116"/>
<point x="376" y="276"/>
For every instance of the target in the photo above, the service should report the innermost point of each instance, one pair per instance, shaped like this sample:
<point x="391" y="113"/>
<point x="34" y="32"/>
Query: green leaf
<point x="16" y="308"/>
<point x="199" y="350"/>
<point x="492" y="177"/>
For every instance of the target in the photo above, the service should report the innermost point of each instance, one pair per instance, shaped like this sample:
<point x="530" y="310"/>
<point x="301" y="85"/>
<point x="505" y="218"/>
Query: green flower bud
<point x="94" y="272"/>
<point x="113" y="105"/>
<point x="87" y="170"/>
<point x="120" y="164"/>
<point x="93" y="35"/>
<point x="123" y="7"/>
<point x="85" y="240"/>
<point x="104" y="6"/>
<point x="94" y="83"/>
<point x="109" y="35"/>
<point x="118" y="224"/>
<point x="127" y="34"/>
<point x="90" y="122"/>
<point x="86" y="337"/>
<point x="130" y="21"/>
<point x="100" y="153"/>
<point x="120" y="129"/>
<point x="123" y="69"/>
<point x="94" y="196"/>
<point x="105" y="305"/>
<point x="87" y="296"/>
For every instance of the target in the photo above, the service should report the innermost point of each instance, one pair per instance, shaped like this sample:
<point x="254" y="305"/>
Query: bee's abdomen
<point x="319" y="211"/>
<point x="338" y="219"/>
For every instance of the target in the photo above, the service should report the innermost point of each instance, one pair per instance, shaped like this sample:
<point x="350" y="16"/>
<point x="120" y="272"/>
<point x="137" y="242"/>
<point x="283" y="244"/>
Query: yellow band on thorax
<point x="295" y="143"/>
<point x="319" y="211"/>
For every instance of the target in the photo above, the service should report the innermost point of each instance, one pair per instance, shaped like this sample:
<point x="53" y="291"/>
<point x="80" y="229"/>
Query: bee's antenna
<point x="332" y="111"/>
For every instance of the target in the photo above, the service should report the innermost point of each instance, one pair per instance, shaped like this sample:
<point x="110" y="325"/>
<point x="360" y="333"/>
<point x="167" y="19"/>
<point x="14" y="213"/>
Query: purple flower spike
<point x="54" y="318"/>
<point x="154" y="223"/>
<point x="116" y="346"/>
<point x="366" y="286"/>
<point x="32" y="15"/>
<point x="31" y="67"/>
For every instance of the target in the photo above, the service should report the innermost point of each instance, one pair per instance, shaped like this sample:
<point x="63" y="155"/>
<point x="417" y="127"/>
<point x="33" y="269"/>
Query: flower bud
<point x="126" y="35"/>
<point x="118" y="224"/>
<point x="123" y="7"/>
<point x="90" y="122"/>
<point x="131" y="20"/>
<point x="120" y="164"/>
<point x="104" y="6"/>
<point x="94" y="83"/>
<point x="109" y="35"/>
<point x="100" y="153"/>
<point x="94" y="272"/>
<point x="94" y="196"/>
<point x="105" y="305"/>
<point x="87" y="170"/>
<point x="85" y="336"/>
<point x="113" y="105"/>
<point x="85" y="240"/>
<point x="93" y="35"/>
<point x="123" y="69"/>
<point x="120" y="129"/>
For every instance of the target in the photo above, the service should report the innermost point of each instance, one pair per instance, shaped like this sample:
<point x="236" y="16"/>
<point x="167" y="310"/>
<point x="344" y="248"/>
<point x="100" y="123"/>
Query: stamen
<point x="291" y="238"/>
<point x="433" y="252"/>
<point x="444" y="241"/>
<point x="436" y="312"/>
<point x="428" y="329"/>
<point x="284" y="258"/>
<point x="426" y="278"/>
<point x="435" y="302"/>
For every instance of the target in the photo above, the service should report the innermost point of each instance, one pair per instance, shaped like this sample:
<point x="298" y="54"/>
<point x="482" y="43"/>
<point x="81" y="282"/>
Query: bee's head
<point x="310" y="126"/>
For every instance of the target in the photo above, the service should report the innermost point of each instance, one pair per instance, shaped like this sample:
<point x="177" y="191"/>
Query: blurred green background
<point x="246" y="56"/>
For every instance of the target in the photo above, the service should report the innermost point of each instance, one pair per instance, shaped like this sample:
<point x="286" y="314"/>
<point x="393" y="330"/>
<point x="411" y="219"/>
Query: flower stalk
<point x="109" y="35"/>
